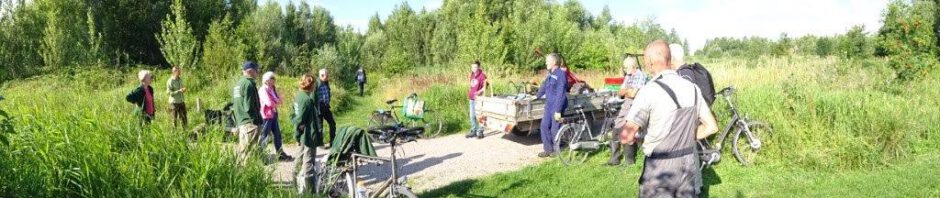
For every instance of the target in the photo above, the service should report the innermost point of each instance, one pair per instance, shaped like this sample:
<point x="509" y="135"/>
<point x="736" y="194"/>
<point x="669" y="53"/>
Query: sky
<point x="695" y="20"/>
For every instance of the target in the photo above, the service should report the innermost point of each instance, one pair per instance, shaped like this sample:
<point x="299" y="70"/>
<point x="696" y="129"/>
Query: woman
<point x="269" y="102"/>
<point x="306" y="122"/>
<point x="142" y="97"/>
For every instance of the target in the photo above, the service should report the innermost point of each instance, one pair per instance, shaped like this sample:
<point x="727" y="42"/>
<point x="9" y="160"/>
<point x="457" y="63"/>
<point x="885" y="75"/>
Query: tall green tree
<point x="177" y="42"/>
<point x="222" y="49"/>
<point x="404" y="40"/>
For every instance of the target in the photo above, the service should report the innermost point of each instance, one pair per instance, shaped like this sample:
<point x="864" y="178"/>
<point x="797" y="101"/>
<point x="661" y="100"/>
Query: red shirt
<point x="148" y="102"/>
<point x="477" y="80"/>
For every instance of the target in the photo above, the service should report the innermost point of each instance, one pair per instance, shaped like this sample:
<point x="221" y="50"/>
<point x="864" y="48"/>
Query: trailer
<point x="520" y="114"/>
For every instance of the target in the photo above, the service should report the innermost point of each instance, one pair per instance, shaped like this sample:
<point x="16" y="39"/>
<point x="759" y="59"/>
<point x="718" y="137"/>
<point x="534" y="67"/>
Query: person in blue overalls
<point x="556" y="100"/>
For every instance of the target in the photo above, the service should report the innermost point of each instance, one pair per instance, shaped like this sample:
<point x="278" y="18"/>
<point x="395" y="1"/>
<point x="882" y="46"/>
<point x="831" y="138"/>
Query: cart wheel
<point x="517" y="132"/>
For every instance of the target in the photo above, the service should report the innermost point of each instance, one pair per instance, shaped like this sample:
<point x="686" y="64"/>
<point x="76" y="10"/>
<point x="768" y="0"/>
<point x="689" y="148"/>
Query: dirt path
<point x="433" y="163"/>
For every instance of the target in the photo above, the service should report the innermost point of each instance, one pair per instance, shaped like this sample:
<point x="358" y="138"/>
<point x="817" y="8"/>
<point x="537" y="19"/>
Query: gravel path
<point x="434" y="163"/>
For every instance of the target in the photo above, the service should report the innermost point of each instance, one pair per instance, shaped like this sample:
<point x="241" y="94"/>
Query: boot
<point x="616" y="153"/>
<point x="630" y="152"/>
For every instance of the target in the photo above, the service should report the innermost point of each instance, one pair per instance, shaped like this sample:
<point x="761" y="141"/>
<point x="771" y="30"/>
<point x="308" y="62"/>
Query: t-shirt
<point x="477" y="80"/>
<point x="653" y="108"/>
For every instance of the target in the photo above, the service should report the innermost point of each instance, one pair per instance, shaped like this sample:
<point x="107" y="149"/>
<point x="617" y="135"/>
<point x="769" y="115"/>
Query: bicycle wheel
<point x="747" y="143"/>
<point x="569" y="135"/>
<point x="433" y="124"/>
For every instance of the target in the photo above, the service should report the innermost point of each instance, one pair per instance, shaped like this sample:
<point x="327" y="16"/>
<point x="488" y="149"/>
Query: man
<point x="247" y="110"/>
<point x="174" y="88"/>
<point x="634" y="78"/>
<point x="554" y="92"/>
<point x="361" y="80"/>
<point x="323" y="90"/>
<point x="670" y="110"/>
<point x="142" y="97"/>
<point x="477" y="85"/>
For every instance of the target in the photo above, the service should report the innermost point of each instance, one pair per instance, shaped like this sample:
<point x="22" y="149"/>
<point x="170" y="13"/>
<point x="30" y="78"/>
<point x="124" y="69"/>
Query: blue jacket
<point x="553" y="90"/>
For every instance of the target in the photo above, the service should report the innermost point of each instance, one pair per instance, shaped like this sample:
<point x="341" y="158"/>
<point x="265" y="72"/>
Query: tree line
<point x="908" y="39"/>
<point x="61" y="36"/>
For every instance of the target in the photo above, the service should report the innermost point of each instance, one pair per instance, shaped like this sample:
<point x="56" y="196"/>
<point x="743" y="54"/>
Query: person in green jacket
<point x="309" y="133"/>
<point x="247" y="110"/>
<point x="142" y="97"/>
<point x="174" y="88"/>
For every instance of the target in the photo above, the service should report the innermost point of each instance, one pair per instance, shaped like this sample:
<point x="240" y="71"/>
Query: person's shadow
<point x="709" y="178"/>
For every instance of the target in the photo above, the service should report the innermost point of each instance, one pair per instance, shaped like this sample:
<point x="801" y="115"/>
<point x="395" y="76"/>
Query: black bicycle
<point x="576" y="140"/>
<point x="414" y="113"/>
<point x="747" y="132"/>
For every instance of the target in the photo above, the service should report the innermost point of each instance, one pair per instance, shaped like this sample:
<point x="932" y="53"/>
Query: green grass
<point x="76" y="138"/>
<point x="916" y="178"/>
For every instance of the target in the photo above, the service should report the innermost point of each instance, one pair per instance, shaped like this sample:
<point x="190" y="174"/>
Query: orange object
<point x="613" y="81"/>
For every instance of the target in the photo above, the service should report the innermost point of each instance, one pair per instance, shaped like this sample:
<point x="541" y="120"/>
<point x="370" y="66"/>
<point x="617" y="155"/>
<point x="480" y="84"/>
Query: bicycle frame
<point x="389" y="185"/>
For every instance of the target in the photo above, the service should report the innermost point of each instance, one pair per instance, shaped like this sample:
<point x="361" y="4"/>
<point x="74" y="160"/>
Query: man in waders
<point x="674" y="115"/>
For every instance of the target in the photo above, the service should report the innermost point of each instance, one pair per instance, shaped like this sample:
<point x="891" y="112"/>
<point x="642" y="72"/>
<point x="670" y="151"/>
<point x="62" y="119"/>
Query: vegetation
<point x="855" y="106"/>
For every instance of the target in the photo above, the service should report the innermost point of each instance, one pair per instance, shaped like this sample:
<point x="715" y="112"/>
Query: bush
<point x="908" y="38"/>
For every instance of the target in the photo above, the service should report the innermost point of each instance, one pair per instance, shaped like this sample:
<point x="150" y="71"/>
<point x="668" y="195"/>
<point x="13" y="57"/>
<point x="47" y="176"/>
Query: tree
<point x="262" y="33"/>
<point x="177" y="43"/>
<point x="854" y="43"/>
<point x="223" y="51"/>
<point x="375" y="24"/>
<point x="907" y="38"/>
<point x="481" y="39"/>
<point x="404" y="40"/>
<point x="824" y="46"/>
<point x="603" y="19"/>
<point x="783" y="45"/>
<point x="54" y="45"/>
<point x="373" y="49"/>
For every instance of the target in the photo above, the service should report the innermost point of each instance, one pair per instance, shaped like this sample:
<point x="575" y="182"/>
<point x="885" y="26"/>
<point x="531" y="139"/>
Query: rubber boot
<point x="616" y="153"/>
<point x="630" y="152"/>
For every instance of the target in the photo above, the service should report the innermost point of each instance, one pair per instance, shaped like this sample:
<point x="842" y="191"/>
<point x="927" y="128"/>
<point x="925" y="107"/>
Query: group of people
<point x="255" y="112"/>
<point x="664" y="115"/>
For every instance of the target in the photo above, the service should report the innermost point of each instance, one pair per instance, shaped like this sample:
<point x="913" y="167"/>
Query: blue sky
<point x="696" y="20"/>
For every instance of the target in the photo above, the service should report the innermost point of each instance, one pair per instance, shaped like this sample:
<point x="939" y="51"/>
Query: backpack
<point x="698" y="75"/>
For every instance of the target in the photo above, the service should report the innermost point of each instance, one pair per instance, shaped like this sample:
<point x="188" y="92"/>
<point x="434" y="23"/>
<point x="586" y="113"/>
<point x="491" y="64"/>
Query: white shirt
<point x="653" y="108"/>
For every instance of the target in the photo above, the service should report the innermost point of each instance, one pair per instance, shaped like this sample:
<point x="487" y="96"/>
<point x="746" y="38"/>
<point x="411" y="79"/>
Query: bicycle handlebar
<point x="415" y="131"/>
<point x="727" y="91"/>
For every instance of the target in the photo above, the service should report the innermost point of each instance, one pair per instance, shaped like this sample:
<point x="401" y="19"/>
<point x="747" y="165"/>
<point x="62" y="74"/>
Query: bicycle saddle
<point x="392" y="101"/>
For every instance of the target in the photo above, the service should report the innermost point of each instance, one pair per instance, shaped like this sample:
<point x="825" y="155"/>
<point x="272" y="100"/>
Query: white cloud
<point x="738" y="18"/>
<point x="433" y="4"/>
<point x="360" y="25"/>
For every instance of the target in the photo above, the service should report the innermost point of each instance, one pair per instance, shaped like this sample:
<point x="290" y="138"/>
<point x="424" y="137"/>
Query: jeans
<point x="474" y="126"/>
<point x="271" y="126"/>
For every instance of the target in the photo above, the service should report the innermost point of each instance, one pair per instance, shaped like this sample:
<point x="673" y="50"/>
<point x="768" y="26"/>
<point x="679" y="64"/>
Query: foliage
<point x="177" y="42"/>
<point x="908" y="38"/>
<point x="222" y="50"/>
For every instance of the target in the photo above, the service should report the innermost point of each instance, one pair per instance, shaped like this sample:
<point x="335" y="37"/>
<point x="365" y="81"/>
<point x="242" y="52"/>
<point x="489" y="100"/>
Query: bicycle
<point x="746" y="142"/>
<point x="394" y="186"/>
<point x="575" y="140"/>
<point x="415" y="114"/>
